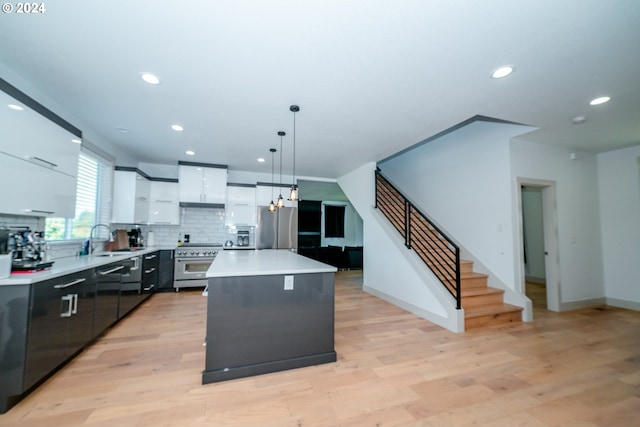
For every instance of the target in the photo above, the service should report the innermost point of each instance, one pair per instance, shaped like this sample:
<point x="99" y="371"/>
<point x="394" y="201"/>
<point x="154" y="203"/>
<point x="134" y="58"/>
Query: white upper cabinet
<point x="131" y="193"/>
<point x="202" y="184"/>
<point x="39" y="191"/>
<point x="240" y="208"/>
<point x="28" y="135"/>
<point x="38" y="160"/>
<point x="164" y="206"/>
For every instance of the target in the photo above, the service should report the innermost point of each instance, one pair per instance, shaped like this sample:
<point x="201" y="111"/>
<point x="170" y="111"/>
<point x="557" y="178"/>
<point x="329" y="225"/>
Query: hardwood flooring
<point x="580" y="368"/>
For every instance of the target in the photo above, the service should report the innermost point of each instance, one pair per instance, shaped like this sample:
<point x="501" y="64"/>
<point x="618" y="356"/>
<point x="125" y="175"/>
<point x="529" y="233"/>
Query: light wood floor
<point x="394" y="369"/>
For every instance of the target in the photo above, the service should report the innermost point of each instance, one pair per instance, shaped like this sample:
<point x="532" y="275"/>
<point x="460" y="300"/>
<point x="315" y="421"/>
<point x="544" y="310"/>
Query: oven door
<point x="192" y="268"/>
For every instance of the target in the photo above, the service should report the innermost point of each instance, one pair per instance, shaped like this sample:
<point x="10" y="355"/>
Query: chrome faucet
<point x="91" y="236"/>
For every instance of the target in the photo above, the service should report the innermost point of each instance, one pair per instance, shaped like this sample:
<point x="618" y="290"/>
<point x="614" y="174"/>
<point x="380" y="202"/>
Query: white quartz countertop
<point x="71" y="265"/>
<point x="264" y="262"/>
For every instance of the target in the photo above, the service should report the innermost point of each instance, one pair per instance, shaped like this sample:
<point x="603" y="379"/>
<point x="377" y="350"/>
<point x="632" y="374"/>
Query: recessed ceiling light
<point x="190" y="152"/>
<point x="76" y="140"/>
<point x="501" y="72"/>
<point x="122" y="130"/>
<point x="578" y="120"/>
<point x="177" y="128"/>
<point x="152" y="79"/>
<point x="600" y="100"/>
<point x="16" y="107"/>
<point x="261" y="160"/>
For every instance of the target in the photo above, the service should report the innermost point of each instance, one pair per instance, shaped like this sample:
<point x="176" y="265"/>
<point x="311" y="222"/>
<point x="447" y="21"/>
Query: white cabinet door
<point x="240" y="208"/>
<point x="28" y="135"/>
<point x="190" y="182"/>
<point x="200" y="184"/>
<point x="214" y="185"/>
<point x="39" y="191"/>
<point x="130" y="198"/>
<point x="141" y="211"/>
<point x="164" y="206"/>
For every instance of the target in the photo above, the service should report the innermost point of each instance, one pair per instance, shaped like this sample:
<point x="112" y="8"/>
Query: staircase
<point x="483" y="306"/>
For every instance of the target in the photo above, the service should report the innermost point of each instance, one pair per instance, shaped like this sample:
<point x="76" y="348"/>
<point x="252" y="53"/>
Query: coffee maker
<point x="135" y="238"/>
<point x="28" y="249"/>
<point x="242" y="238"/>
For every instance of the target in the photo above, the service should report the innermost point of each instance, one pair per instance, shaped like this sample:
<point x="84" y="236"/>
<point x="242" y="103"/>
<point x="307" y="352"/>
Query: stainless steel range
<point x="192" y="260"/>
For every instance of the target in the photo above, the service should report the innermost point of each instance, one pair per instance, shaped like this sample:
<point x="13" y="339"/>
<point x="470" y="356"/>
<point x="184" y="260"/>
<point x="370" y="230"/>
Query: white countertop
<point x="264" y="262"/>
<point x="71" y="265"/>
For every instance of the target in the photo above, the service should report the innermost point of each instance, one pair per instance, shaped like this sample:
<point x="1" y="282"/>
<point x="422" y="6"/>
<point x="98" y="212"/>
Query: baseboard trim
<point x="577" y="305"/>
<point x="427" y="315"/>
<point x="538" y="280"/>
<point x="621" y="303"/>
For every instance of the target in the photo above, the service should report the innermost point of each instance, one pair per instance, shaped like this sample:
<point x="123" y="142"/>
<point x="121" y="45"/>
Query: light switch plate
<point x="288" y="283"/>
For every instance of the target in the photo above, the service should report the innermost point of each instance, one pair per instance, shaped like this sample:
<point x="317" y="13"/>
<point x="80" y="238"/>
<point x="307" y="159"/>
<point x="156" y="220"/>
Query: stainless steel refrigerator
<point x="277" y="230"/>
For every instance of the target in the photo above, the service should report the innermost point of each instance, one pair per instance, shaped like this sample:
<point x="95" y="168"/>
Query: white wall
<point x="619" y="185"/>
<point x="388" y="272"/>
<point x="462" y="181"/>
<point x="578" y="218"/>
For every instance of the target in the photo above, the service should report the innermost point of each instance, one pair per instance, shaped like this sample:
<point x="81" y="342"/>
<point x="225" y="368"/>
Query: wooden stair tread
<point x="492" y="309"/>
<point x="480" y="291"/>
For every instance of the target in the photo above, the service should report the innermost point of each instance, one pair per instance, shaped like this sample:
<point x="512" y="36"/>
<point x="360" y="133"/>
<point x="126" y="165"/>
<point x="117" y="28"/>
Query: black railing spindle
<point x="420" y="234"/>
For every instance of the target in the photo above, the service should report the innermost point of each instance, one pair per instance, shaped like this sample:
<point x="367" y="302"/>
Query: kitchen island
<point x="268" y="310"/>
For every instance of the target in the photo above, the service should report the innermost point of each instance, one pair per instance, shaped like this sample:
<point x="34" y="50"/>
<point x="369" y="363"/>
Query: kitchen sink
<point x="111" y="254"/>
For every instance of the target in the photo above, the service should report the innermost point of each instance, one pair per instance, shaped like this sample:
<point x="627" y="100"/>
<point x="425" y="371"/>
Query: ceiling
<point x="371" y="77"/>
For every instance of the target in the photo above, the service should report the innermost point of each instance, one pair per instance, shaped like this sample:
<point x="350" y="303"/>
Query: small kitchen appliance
<point x="243" y="238"/>
<point x="135" y="238"/>
<point x="28" y="249"/>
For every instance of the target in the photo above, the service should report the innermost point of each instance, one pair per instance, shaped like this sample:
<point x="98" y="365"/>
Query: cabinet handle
<point x="150" y="287"/>
<point x="151" y="270"/>
<point x="68" y="298"/>
<point x="66" y="285"/>
<point x="113" y="270"/>
<point x="47" y="163"/>
<point x="242" y="204"/>
<point x="161" y="222"/>
<point x="150" y="257"/>
<point x="136" y="263"/>
<point x="74" y="310"/>
<point x="163" y="201"/>
<point x="38" y="211"/>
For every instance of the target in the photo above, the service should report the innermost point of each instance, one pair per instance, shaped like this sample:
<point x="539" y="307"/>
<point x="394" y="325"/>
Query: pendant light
<point x="293" y="194"/>
<point x="280" y="199"/>
<point x="272" y="206"/>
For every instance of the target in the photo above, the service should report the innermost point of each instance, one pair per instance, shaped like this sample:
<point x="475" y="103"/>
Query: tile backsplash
<point x="203" y="225"/>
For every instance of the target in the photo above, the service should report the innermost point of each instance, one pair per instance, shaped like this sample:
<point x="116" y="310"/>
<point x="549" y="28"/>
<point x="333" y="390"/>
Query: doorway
<point x="539" y="252"/>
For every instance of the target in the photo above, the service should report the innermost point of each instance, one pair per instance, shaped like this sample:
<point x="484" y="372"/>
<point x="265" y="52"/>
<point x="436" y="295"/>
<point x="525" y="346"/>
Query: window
<point x="333" y="221"/>
<point x="93" y="201"/>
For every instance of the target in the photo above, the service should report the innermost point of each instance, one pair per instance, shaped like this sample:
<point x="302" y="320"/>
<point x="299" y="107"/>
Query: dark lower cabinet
<point x="44" y="324"/>
<point x="107" y="296"/>
<point x="130" y="285"/>
<point x="166" y="268"/>
<point x="60" y="322"/>
<point x="150" y="273"/>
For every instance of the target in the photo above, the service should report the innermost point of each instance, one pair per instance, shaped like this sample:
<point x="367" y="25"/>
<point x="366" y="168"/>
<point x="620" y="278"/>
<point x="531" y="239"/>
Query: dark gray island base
<point x="256" y="326"/>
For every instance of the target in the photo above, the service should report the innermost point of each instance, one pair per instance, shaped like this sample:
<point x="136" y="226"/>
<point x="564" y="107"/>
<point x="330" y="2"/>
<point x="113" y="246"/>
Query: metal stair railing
<point x="421" y="235"/>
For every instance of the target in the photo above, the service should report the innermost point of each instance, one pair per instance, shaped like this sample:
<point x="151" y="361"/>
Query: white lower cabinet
<point x="30" y="189"/>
